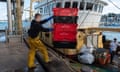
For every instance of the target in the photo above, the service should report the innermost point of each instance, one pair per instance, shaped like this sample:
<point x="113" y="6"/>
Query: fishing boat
<point x="89" y="15"/>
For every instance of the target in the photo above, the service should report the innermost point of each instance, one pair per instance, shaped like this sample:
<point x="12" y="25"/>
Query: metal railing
<point x="15" y="38"/>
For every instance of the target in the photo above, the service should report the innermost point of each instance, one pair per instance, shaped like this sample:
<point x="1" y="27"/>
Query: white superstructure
<point x="89" y="15"/>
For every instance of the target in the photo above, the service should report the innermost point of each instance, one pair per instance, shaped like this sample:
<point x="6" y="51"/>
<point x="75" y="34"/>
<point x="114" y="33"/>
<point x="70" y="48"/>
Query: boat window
<point x="89" y="6"/>
<point x="82" y="5"/>
<point x="41" y="10"/>
<point x="118" y="20"/>
<point x="58" y="5"/>
<point x="67" y="4"/>
<point x="95" y="7"/>
<point x="53" y="5"/>
<point x="45" y="9"/>
<point x="75" y="4"/>
<point x="48" y="8"/>
<point x="99" y="8"/>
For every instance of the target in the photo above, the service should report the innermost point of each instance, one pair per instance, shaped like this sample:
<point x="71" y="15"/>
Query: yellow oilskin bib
<point x="100" y="42"/>
<point x="36" y="44"/>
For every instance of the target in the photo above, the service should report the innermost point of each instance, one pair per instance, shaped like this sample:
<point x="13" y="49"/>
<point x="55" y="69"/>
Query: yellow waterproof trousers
<point x="36" y="44"/>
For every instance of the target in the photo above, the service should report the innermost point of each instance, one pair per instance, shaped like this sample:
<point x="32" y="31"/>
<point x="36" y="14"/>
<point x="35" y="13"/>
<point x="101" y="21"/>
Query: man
<point x="34" y="40"/>
<point x="104" y="40"/>
<point x="113" y="47"/>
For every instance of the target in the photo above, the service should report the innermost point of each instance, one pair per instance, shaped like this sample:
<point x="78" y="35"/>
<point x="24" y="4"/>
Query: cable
<point x="84" y="19"/>
<point x="114" y="4"/>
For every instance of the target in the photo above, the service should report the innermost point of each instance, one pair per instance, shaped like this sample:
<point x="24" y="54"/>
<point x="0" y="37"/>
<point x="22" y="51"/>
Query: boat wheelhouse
<point x="89" y="15"/>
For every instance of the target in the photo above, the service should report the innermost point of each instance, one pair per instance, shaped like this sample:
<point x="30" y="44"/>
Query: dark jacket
<point x="37" y="27"/>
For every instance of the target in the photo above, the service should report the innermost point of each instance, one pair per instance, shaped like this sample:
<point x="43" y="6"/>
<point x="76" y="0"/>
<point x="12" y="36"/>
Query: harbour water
<point x="4" y="25"/>
<point x="109" y="35"/>
<point x="112" y="35"/>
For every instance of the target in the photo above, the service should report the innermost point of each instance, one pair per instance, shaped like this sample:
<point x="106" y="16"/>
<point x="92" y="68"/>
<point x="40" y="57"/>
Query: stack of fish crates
<point x="65" y="27"/>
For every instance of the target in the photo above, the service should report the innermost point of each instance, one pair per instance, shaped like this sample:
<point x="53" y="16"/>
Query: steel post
<point x="9" y="10"/>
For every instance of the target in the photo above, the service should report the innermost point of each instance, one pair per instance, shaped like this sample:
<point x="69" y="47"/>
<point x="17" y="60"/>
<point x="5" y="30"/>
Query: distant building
<point x="110" y="19"/>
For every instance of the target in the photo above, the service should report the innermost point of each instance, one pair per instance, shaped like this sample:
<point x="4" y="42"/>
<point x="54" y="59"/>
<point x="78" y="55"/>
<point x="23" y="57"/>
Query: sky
<point x="110" y="8"/>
